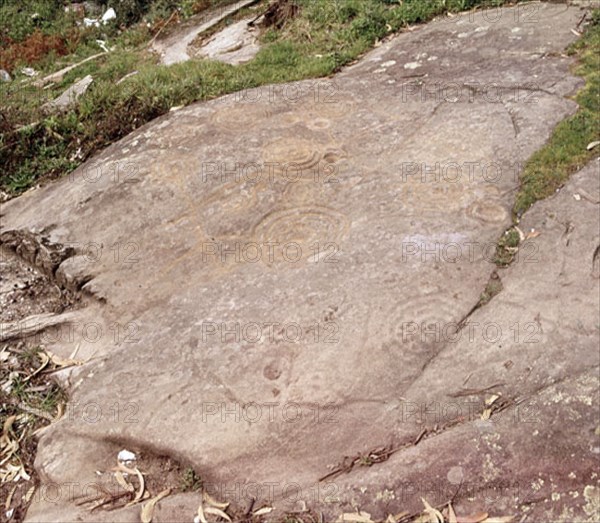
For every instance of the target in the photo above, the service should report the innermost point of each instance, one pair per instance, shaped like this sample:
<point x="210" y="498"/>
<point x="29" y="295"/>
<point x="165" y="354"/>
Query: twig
<point x="473" y="392"/>
<point x="160" y="30"/>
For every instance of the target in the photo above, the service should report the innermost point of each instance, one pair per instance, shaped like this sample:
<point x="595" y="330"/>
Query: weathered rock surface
<point x="343" y="348"/>
<point x="173" y="48"/>
<point x="235" y="44"/>
<point x="71" y="94"/>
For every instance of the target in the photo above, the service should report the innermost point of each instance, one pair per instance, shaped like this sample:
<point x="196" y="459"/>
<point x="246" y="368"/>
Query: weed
<point x="190" y="481"/>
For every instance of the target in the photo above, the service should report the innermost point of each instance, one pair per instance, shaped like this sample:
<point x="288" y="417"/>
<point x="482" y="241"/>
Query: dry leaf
<point x="9" y="498"/>
<point x="8" y="425"/>
<point x="211" y="501"/>
<point x="124" y="468"/>
<point x="217" y="512"/>
<point x="29" y="495"/>
<point x="45" y="360"/>
<point x="592" y="145"/>
<point x="60" y="362"/>
<point x="451" y="514"/>
<point x="148" y="508"/>
<point x="140" y="493"/>
<point x="60" y="410"/>
<point x="490" y="401"/>
<point x="435" y="516"/>
<point x="123" y="482"/>
<point x="532" y="234"/>
<point x="502" y="519"/>
<point x="201" y="515"/>
<point x="262" y="511"/>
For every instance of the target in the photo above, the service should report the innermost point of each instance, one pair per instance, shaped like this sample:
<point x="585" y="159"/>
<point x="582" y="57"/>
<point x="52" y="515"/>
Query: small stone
<point x="4" y="76"/>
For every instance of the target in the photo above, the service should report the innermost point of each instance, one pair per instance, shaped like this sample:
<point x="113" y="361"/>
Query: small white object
<point x="412" y="65"/>
<point x="109" y="15"/>
<point x="577" y="197"/>
<point x="89" y="22"/>
<point x="125" y="455"/>
<point x="102" y="45"/>
<point x="29" y="71"/>
<point x="9" y="513"/>
<point x="592" y="145"/>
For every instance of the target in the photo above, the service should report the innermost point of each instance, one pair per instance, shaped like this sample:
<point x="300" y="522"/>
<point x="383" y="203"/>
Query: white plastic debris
<point x="89" y="22"/>
<point x="9" y="513"/>
<point x="577" y="197"/>
<point x="29" y="71"/>
<point x="109" y="15"/>
<point x="125" y="455"/>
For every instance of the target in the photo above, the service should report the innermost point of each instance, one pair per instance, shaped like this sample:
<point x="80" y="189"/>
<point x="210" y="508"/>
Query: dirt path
<point x="292" y="273"/>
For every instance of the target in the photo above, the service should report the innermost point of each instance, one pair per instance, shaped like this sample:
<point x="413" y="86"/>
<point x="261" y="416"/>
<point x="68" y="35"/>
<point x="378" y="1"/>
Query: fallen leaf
<point x="123" y="482"/>
<point x="490" y="401"/>
<point x="451" y="514"/>
<point x="60" y="362"/>
<point x="217" y="512"/>
<point x="45" y="360"/>
<point x="29" y="495"/>
<point x="123" y="468"/>
<point x="7" y="427"/>
<point x="148" y="508"/>
<point x="262" y="511"/>
<point x="435" y="516"/>
<point x="592" y="145"/>
<point x="201" y="516"/>
<point x="9" y="498"/>
<point x="503" y="519"/>
<point x="140" y="493"/>
<point x="211" y="501"/>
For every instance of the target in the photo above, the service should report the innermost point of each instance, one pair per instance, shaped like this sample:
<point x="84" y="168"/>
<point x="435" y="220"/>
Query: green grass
<point x="326" y="35"/>
<point x="190" y="481"/>
<point x="566" y="151"/>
